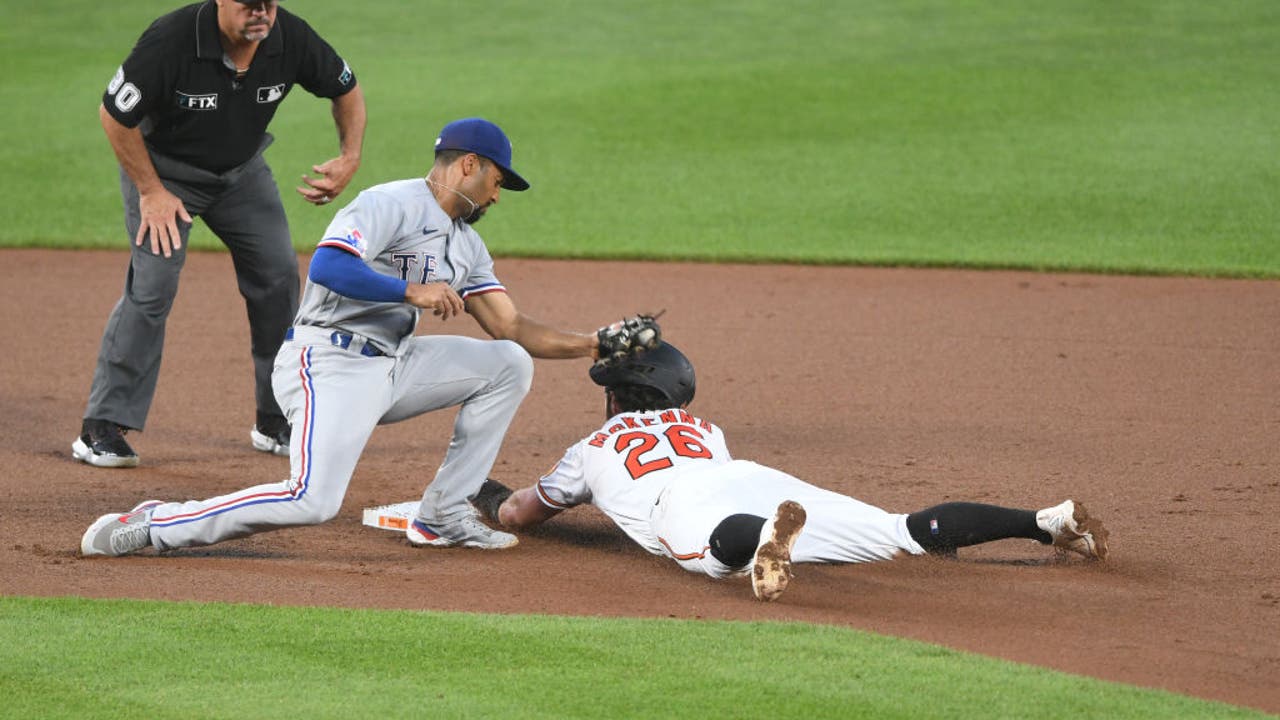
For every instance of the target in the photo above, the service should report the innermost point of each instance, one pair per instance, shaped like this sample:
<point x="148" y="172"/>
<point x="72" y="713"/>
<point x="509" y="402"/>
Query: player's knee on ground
<point x="734" y="540"/>
<point x="312" y="509"/>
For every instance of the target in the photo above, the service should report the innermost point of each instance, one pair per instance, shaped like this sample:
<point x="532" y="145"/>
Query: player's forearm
<point x="523" y="509"/>
<point x="546" y="342"/>
<point x="131" y="151"/>
<point x="349" y="117"/>
<point x="499" y="317"/>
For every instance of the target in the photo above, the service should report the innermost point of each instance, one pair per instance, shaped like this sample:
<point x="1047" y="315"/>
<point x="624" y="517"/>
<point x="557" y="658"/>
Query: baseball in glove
<point x="489" y="499"/>
<point x="627" y="337"/>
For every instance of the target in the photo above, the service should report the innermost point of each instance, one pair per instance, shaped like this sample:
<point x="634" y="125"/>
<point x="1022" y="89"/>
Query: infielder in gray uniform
<point x="187" y="115"/>
<point x="352" y="361"/>
<point x="667" y="479"/>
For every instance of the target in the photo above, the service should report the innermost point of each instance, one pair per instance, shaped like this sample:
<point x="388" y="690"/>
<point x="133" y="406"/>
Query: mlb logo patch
<point x="270" y="94"/>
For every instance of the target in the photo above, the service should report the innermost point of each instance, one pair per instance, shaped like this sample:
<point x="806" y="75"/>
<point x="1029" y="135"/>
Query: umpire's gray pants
<point x="242" y="207"/>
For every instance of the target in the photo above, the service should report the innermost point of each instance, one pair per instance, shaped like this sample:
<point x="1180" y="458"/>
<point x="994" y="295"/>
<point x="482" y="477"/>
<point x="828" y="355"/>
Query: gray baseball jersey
<point x="398" y="229"/>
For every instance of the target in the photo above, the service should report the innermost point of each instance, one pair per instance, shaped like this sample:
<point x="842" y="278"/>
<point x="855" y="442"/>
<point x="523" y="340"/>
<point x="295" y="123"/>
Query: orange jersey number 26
<point x="685" y="441"/>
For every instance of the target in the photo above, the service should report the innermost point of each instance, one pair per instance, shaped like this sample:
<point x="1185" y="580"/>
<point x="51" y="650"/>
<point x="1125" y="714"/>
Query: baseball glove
<point x="490" y="498"/>
<point x="627" y="337"/>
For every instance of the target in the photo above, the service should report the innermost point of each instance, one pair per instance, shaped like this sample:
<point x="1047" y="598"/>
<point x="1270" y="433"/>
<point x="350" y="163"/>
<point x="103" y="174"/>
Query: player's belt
<point x="339" y="339"/>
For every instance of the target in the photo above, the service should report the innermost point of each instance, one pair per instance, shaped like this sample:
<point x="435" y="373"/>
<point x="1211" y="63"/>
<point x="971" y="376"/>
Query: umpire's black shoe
<point x="271" y="434"/>
<point x="102" y="444"/>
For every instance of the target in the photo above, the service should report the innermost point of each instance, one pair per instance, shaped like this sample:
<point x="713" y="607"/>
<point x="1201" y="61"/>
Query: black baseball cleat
<point x="271" y="435"/>
<point x="102" y="444"/>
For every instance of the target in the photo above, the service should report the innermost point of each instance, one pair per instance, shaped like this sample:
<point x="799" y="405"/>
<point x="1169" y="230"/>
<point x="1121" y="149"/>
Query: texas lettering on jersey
<point x="415" y="267"/>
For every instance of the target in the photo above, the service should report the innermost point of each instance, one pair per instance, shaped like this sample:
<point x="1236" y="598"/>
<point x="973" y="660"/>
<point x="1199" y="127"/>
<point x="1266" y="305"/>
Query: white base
<point x="391" y="517"/>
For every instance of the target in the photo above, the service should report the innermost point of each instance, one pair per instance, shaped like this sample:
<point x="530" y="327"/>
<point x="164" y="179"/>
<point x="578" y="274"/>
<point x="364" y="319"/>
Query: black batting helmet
<point x="664" y="368"/>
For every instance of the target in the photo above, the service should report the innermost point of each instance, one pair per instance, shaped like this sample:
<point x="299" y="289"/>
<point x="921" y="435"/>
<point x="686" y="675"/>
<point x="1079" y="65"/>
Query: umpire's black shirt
<point x="178" y="86"/>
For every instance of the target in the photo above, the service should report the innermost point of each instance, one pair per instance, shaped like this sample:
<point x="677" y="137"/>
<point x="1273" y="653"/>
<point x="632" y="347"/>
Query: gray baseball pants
<point x="334" y="397"/>
<point x="242" y="207"/>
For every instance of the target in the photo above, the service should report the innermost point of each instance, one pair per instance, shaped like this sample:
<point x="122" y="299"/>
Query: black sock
<point x="734" y="540"/>
<point x="943" y="528"/>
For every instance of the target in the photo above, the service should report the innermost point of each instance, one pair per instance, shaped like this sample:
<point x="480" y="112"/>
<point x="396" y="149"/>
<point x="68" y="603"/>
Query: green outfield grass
<point x="74" y="658"/>
<point x="1091" y="135"/>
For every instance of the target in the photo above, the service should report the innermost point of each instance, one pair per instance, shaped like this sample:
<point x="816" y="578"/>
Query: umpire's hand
<point x="160" y="211"/>
<point x="333" y="178"/>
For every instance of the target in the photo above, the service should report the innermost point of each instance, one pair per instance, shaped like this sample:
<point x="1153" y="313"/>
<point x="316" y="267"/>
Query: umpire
<point x="187" y="116"/>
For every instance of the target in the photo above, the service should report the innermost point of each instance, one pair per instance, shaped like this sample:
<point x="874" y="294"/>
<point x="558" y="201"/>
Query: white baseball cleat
<point x="1073" y="529"/>
<point x="771" y="567"/>
<point x="118" y="534"/>
<point x="466" y="532"/>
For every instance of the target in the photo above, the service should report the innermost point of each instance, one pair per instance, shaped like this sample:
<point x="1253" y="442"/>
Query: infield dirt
<point x="1155" y="401"/>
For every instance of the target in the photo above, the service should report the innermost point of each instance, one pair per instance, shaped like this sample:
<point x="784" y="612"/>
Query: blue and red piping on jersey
<point x="481" y="289"/>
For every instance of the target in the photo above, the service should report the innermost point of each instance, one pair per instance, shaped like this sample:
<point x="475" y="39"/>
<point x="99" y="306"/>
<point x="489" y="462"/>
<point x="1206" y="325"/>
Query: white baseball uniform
<point x="350" y="365"/>
<point x="667" y="479"/>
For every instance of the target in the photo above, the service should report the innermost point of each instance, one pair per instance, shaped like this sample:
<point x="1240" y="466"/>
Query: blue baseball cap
<point x="485" y="139"/>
